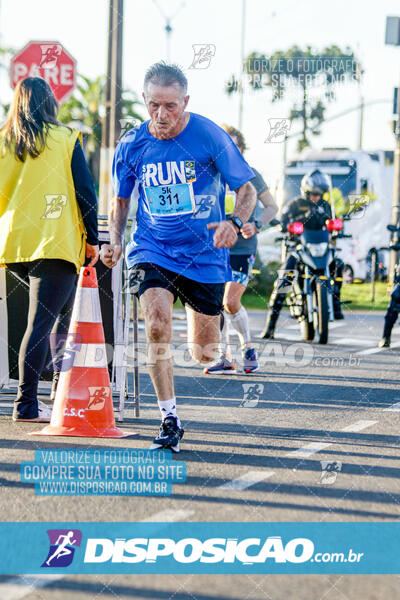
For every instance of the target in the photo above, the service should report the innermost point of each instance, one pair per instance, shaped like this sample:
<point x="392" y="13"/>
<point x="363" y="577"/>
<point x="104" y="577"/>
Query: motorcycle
<point x="310" y="297"/>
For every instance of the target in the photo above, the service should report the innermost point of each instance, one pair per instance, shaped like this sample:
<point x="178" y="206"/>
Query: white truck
<point x="360" y="179"/>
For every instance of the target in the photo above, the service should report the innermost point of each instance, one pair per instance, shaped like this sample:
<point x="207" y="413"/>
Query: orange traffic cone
<point x="83" y="403"/>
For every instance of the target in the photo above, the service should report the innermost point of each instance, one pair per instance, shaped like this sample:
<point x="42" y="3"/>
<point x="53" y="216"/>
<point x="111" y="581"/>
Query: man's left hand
<point x="92" y="252"/>
<point x="248" y="230"/>
<point x="225" y="235"/>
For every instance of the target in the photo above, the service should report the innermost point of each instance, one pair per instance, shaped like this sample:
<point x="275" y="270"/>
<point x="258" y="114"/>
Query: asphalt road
<point x="251" y="455"/>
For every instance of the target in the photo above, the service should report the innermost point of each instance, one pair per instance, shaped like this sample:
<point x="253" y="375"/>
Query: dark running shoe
<point x="268" y="333"/>
<point x="169" y="436"/>
<point x="384" y="343"/>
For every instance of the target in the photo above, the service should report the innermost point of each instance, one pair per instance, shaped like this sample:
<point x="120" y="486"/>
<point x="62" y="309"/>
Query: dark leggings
<point x="52" y="285"/>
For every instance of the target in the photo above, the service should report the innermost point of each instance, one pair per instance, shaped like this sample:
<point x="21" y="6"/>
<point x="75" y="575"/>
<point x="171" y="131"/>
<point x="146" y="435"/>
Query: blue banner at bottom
<point x="353" y="548"/>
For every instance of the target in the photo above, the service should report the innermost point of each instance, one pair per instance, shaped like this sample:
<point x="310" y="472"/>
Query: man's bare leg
<point x="203" y="335"/>
<point x="157" y="309"/>
<point x="157" y="305"/>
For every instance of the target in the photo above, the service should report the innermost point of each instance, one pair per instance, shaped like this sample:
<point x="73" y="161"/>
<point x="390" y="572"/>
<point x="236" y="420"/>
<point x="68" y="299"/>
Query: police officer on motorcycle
<point x="313" y="211"/>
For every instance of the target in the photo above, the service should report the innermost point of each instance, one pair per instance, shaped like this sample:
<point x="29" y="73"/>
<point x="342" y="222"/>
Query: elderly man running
<point x="180" y="245"/>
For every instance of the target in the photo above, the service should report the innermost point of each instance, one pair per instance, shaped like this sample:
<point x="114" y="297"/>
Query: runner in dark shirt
<point x="242" y="256"/>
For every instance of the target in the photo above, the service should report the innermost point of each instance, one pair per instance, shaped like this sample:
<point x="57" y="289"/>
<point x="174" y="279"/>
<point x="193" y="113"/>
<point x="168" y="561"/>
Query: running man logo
<point x="251" y="394"/>
<point x="132" y="280"/>
<point x="168" y="173"/>
<point x="127" y="123"/>
<point x="204" y="206"/>
<point x="50" y="54"/>
<point x="64" y="347"/>
<point x="63" y="543"/>
<point x="278" y="130"/>
<point x="286" y="278"/>
<point x="358" y="203"/>
<point x="330" y="472"/>
<point x="203" y="54"/>
<point x="98" y="397"/>
<point x="54" y="206"/>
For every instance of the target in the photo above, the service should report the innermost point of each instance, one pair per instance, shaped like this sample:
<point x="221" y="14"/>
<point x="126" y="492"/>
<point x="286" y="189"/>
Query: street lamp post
<point x="168" y="27"/>
<point x="393" y="38"/>
<point x="241" y="79"/>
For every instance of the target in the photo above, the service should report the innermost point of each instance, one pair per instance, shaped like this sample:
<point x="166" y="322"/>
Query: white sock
<point x="240" y="322"/>
<point x="168" y="409"/>
<point x="225" y="336"/>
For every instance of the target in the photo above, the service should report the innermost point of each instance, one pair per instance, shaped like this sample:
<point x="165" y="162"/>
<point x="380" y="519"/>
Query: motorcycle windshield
<point x="314" y="236"/>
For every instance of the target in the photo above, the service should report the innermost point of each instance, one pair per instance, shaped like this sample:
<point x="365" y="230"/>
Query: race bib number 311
<point x="171" y="200"/>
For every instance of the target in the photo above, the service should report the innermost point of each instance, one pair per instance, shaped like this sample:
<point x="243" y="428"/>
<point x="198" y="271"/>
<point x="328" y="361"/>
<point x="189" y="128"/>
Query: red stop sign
<point x="48" y="60"/>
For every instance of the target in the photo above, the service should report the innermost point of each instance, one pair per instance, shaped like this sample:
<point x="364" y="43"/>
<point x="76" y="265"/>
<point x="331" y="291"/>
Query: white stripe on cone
<point x="86" y="306"/>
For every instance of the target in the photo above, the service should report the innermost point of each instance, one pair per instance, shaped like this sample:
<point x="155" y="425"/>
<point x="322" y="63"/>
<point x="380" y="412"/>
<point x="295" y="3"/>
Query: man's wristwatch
<point x="236" y="221"/>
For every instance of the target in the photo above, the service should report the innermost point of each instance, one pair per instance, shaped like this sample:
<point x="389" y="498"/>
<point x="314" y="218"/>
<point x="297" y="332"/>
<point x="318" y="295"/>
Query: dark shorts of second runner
<point x="205" y="298"/>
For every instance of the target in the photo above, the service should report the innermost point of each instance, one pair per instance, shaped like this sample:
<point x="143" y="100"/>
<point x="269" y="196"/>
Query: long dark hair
<point x="33" y="109"/>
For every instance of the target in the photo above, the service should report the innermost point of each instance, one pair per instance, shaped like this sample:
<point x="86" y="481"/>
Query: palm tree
<point x="300" y="69"/>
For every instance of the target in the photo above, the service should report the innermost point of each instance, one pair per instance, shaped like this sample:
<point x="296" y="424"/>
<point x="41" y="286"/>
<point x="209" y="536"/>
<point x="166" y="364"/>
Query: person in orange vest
<point x="48" y="225"/>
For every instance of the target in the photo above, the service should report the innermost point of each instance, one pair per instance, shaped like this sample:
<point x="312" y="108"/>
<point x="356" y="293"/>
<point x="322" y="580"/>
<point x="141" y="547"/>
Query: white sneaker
<point x="43" y="406"/>
<point x="221" y="366"/>
<point x="44" y="415"/>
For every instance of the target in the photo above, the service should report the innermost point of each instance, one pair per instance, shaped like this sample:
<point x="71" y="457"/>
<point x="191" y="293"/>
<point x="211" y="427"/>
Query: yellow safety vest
<point x="39" y="214"/>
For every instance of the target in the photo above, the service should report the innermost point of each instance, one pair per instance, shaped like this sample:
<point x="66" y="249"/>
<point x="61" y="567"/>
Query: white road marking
<point x="331" y="325"/>
<point x="353" y="341"/>
<point x="376" y="349"/>
<point x="168" y="516"/>
<point x="343" y="341"/>
<point x="314" y="447"/>
<point x="393" y="407"/>
<point x="285" y="336"/>
<point x="358" y="426"/>
<point x="17" y="588"/>
<point x="246" y="480"/>
<point x="306" y="451"/>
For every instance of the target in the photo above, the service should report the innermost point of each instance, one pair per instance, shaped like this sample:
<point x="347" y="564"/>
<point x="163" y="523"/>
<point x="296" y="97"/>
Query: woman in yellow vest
<point x="48" y="224"/>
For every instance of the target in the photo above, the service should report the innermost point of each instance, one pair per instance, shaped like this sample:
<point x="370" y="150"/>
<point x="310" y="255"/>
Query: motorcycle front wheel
<point x="306" y="327"/>
<point x="321" y="312"/>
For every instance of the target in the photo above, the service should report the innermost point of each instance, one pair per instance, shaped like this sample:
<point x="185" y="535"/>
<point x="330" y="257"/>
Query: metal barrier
<point x="116" y="303"/>
<point x="122" y="303"/>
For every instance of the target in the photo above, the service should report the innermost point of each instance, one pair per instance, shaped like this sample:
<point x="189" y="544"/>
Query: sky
<point x="81" y="26"/>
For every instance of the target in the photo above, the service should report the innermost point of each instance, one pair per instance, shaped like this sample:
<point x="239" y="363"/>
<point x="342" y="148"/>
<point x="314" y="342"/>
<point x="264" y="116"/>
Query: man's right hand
<point x="110" y="254"/>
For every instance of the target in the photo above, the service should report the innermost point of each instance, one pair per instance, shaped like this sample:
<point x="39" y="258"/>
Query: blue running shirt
<point x="179" y="189"/>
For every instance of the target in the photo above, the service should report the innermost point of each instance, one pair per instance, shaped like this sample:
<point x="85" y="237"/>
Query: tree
<point x="301" y="69"/>
<point x="86" y="106"/>
<point x="5" y="56"/>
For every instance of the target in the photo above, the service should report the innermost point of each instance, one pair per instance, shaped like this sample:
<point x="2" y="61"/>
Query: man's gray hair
<point x="164" y="74"/>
